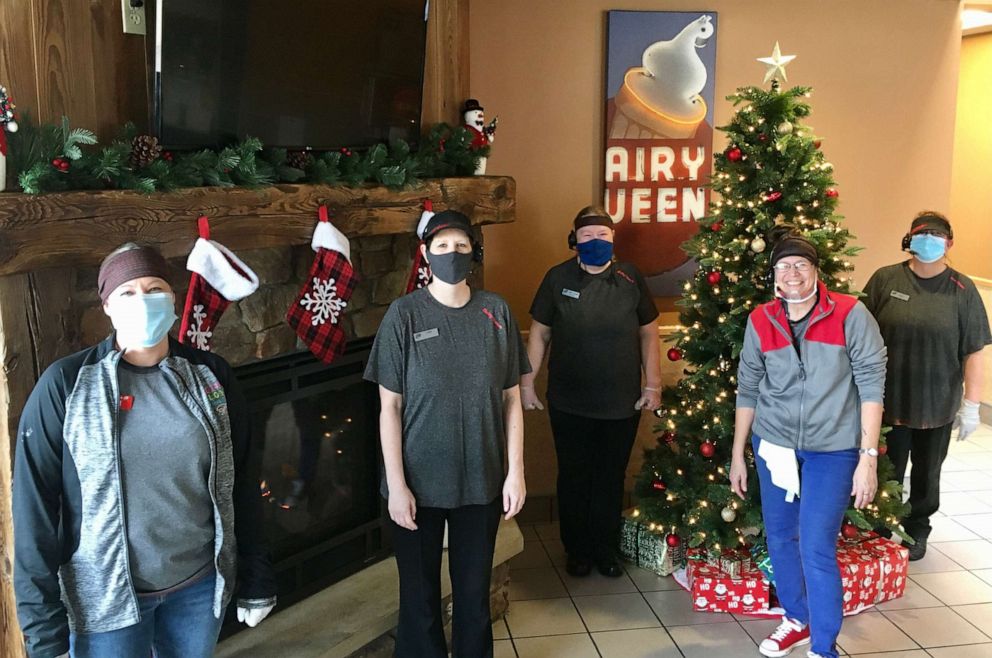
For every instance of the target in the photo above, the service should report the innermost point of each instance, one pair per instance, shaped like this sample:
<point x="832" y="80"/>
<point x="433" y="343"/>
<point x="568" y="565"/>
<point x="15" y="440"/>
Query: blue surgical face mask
<point x="595" y="252"/>
<point x="142" y="320"/>
<point x="928" y="248"/>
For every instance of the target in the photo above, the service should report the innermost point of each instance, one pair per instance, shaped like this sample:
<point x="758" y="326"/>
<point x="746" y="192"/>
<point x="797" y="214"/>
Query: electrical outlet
<point x="134" y="16"/>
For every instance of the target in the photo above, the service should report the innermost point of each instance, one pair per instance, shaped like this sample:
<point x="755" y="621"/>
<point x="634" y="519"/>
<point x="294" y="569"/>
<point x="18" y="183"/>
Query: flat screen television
<point x="319" y="74"/>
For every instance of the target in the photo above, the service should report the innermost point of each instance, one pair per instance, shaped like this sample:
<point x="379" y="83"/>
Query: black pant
<point x="929" y="449"/>
<point x="471" y="542"/>
<point x="592" y="462"/>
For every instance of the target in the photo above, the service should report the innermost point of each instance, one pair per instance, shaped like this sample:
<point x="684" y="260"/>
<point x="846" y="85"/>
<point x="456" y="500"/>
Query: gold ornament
<point x="728" y="514"/>
<point x="784" y="128"/>
<point x="758" y="245"/>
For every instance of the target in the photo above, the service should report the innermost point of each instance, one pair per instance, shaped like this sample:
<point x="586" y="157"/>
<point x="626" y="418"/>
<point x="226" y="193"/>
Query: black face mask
<point x="452" y="267"/>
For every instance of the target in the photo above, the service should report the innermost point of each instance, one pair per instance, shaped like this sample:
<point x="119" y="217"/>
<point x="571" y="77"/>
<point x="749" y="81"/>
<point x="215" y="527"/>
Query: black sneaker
<point x="578" y="567"/>
<point x="610" y="568"/>
<point x="918" y="550"/>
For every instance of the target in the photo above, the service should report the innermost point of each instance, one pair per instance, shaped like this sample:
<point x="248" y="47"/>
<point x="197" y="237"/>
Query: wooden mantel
<point x="79" y="228"/>
<point x="42" y="237"/>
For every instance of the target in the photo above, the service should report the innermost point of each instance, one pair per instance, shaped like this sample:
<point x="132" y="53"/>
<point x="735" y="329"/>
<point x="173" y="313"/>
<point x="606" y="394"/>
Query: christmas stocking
<point x="316" y="312"/>
<point x="420" y="275"/>
<point x="218" y="278"/>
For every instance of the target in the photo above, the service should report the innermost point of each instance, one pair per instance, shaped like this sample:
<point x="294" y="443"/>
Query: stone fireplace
<point x="316" y="426"/>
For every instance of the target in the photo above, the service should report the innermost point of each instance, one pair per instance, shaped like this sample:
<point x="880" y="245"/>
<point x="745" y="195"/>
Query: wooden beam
<point x="18" y="373"/>
<point x="78" y="228"/>
<point x="446" y="62"/>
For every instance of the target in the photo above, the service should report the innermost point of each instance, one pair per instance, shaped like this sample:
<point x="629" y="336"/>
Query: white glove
<point x="967" y="419"/>
<point x="253" y="616"/>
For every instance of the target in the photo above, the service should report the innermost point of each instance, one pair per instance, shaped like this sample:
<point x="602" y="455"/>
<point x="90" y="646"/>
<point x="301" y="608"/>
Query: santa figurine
<point x="474" y="118"/>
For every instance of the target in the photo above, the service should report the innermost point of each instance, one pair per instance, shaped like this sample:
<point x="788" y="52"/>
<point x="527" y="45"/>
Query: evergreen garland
<point x="52" y="158"/>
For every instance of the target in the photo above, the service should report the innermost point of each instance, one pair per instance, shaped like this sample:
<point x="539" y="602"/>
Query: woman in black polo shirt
<point x="934" y="324"/>
<point x="598" y="317"/>
<point x="448" y="361"/>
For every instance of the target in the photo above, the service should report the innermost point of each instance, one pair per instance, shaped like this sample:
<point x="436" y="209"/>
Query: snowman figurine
<point x="474" y="118"/>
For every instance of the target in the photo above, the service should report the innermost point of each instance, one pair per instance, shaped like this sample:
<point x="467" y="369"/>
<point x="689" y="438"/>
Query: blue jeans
<point x="802" y="540"/>
<point x="178" y="623"/>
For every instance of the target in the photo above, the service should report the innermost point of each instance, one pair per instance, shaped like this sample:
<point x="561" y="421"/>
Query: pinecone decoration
<point x="299" y="160"/>
<point x="144" y="151"/>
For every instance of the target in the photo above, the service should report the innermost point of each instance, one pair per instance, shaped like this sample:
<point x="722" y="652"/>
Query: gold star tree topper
<point x="776" y="64"/>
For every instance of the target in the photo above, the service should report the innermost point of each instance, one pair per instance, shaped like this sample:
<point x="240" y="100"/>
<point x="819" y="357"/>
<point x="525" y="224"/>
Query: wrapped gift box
<point x="648" y="549"/>
<point x="714" y="590"/>
<point x="872" y="571"/>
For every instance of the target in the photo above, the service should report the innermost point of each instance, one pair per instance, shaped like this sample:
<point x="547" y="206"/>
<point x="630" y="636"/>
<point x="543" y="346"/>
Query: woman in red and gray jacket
<point x="809" y="391"/>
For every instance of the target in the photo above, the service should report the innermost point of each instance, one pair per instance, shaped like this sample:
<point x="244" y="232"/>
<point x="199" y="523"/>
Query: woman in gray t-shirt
<point x="448" y="361"/>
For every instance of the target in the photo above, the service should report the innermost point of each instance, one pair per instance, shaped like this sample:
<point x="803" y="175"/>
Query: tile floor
<point x="946" y="612"/>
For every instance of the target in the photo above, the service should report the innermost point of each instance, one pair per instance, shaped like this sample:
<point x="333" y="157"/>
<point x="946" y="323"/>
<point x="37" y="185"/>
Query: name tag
<point x="424" y="335"/>
<point x="570" y="293"/>
<point x="899" y="295"/>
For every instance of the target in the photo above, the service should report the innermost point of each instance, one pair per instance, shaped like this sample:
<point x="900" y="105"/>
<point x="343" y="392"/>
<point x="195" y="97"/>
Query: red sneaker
<point x="789" y="635"/>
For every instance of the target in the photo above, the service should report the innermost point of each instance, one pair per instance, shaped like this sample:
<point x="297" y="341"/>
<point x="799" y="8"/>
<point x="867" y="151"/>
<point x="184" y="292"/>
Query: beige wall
<point x="884" y="75"/>
<point x="971" y="191"/>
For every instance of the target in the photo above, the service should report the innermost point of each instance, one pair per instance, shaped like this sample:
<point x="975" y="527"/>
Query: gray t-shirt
<point x="165" y="462"/>
<point x="451" y="365"/>
<point x="929" y="326"/>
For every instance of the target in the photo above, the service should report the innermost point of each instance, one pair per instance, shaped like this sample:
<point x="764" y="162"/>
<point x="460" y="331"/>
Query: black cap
<point x="447" y="219"/>
<point x="794" y="245"/>
<point x="931" y="221"/>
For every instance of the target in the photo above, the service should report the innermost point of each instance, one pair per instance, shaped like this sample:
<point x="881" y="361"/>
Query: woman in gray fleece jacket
<point x="136" y="514"/>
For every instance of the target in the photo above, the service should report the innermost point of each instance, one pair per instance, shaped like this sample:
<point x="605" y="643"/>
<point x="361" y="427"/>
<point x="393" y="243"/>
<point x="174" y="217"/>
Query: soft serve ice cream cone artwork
<point x="661" y="98"/>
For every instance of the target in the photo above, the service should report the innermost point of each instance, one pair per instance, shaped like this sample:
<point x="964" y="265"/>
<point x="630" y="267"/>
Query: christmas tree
<point x="772" y="178"/>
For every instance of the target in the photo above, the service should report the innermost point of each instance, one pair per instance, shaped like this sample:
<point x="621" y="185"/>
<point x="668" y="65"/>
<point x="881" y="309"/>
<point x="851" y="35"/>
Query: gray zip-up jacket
<point x="807" y="395"/>
<point x="71" y="568"/>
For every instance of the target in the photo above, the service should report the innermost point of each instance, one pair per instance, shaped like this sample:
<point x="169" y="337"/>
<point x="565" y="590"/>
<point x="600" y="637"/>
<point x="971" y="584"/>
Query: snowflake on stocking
<point x="198" y="334"/>
<point x="325" y="303"/>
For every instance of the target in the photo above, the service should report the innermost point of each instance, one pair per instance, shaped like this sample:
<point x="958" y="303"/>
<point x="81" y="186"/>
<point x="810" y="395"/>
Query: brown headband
<point x="592" y="220"/>
<point x="129" y="265"/>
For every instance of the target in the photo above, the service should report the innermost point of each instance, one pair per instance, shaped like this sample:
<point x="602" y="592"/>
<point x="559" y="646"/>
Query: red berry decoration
<point x="882" y="449"/>
<point x="734" y="154"/>
<point x="816" y="143"/>
<point x="673" y="540"/>
<point x="716" y="226"/>
<point x="849" y="531"/>
<point x="668" y="436"/>
<point x="713" y="278"/>
<point x="832" y="193"/>
<point x="674" y="354"/>
<point x="167" y="156"/>
<point x="64" y="166"/>
<point x="707" y="449"/>
<point x="659" y="485"/>
<point x="772" y="197"/>
<point x="56" y="162"/>
<point x="762" y="137"/>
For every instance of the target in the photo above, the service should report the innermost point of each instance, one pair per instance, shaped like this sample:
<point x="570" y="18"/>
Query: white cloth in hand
<point x="253" y="616"/>
<point x="782" y="466"/>
<point x="967" y="419"/>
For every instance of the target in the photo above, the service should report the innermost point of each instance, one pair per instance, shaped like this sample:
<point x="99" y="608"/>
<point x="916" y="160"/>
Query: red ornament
<point x="816" y="143"/>
<point x="668" y="436"/>
<point x="167" y="156"/>
<point x="734" y="154"/>
<point x="674" y="354"/>
<point x="713" y="278"/>
<point x="673" y="540"/>
<point x="832" y="193"/>
<point x="882" y="449"/>
<point x="707" y="449"/>
<point x="658" y="485"/>
<point x="849" y="531"/>
<point x="716" y="226"/>
<point x="771" y="197"/>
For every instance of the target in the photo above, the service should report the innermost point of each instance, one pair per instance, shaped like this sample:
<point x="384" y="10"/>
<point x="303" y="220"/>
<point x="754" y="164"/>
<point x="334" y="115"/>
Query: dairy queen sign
<point x="659" y="137"/>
